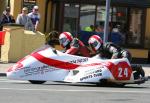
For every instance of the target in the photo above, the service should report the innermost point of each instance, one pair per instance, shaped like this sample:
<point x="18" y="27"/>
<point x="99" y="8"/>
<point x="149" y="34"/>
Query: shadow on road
<point x="87" y="85"/>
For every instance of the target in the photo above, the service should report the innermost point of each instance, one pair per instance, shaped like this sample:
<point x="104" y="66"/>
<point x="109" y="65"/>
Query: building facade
<point x="130" y="17"/>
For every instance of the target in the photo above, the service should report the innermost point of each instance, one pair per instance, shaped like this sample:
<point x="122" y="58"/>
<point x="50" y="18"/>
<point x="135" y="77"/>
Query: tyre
<point x="142" y="72"/>
<point x="106" y="83"/>
<point x="120" y="85"/>
<point x="139" y="72"/>
<point x="36" y="82"/>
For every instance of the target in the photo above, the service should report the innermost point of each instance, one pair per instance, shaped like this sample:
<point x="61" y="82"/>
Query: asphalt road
<point x="12" y="91"/>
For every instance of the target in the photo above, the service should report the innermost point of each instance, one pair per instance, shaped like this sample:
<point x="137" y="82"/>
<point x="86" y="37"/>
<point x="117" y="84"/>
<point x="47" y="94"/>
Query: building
<point x="131" y="17"/>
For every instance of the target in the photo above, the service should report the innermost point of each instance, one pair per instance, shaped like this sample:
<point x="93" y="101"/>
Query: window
<point x="134" y="36"/>
<point x="87" y="16"/>
<point x="29" y="4"/>
<point x="71" y="13"/>
<point x="101" y="15"/>
<point x="125" y="23"/>
<point x="119" y="25"/>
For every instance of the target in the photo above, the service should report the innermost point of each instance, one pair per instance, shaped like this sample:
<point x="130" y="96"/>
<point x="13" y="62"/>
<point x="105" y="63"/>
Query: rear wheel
<point x="138" y="71"/>
<point x="36" y="82"/>
<point x="106" y="83"/>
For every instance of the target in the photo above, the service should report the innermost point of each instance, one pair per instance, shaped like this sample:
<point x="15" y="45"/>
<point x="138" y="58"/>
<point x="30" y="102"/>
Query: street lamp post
<point x="106" y="26"/>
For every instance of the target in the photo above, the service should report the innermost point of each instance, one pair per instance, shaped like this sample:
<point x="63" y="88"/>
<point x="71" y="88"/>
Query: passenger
<point x="52" y="38"/>
<point x="111" y="51"/>
<point x="73" y="45"/>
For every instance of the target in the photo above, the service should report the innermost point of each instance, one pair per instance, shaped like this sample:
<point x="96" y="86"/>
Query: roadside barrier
<point x="2" y="37"/>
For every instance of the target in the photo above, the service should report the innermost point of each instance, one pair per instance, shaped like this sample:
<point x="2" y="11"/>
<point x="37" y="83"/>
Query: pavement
<point x="5" y="66"/>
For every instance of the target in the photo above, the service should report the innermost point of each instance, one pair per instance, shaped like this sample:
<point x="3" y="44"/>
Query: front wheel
<point x="36" y="82"/>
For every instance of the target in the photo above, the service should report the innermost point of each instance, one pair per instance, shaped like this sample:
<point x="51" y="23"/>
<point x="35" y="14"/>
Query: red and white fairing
<point x="49" y="64"/>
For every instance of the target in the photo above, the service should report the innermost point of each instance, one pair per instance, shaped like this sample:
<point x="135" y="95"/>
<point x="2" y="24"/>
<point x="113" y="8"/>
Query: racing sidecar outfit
<point x="77" y="47"/>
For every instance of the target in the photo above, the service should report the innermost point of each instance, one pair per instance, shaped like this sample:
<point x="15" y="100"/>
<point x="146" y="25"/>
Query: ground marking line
<point x="73" y="90"/>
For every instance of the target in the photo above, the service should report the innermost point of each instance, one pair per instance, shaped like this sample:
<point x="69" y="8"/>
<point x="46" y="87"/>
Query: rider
<point x="111" y="51"/>
<point x="73" y="45"/>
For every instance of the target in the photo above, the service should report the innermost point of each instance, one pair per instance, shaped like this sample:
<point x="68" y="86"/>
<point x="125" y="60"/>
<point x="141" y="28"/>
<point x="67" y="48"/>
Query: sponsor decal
<point x="15" y="67"/>
<point x="92" y="74"/>
<point x="86" y="77"/>
<point x="79" y="60"/>
<point x="97" y="75"/>
<point x="94" y="70"/>
<point x="38" y="70"/>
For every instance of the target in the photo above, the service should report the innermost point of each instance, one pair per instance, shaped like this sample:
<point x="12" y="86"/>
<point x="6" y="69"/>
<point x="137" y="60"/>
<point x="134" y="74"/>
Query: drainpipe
<point x="8" y="3"/>
<point x="45" y="20"/>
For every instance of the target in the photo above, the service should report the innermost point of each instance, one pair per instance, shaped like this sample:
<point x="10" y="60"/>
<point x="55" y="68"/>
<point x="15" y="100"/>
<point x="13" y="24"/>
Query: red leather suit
<point x="77" y="47"/>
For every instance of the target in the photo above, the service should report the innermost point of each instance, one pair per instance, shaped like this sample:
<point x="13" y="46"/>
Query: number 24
<point x="122" y="72"/>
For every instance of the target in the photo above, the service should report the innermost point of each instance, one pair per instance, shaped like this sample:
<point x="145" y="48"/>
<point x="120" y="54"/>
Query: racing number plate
<point x="122" y="71"/>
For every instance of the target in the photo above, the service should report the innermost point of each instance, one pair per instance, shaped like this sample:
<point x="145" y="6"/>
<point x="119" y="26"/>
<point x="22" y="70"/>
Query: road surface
<point x="13" y="91"/>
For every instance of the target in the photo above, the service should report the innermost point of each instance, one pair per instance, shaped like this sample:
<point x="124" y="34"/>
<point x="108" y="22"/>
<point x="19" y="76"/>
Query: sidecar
<point x="48" y="64"/>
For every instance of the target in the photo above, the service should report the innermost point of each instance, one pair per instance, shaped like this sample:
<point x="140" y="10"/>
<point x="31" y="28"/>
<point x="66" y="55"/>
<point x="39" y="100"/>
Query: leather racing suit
<point x="77" y="47"/>
<point x="112" y="51"/>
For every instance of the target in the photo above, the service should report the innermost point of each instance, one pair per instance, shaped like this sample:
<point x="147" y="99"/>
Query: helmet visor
<point x="62" y="40"/>
<point x="94" y="44"/>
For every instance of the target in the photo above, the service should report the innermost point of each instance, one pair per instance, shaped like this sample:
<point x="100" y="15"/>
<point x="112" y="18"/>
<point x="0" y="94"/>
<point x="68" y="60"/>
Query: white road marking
<point x="77" y="90"/>
<point x="70" y="90"/>
<point x="8" y="80"/>
<point x="14" y="81"/>
<point x="3" y="79"/>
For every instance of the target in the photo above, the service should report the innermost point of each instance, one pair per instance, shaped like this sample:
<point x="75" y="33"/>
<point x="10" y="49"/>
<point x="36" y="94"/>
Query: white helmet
<point x="65" y="38"/>
<point x="95" y="42"/>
